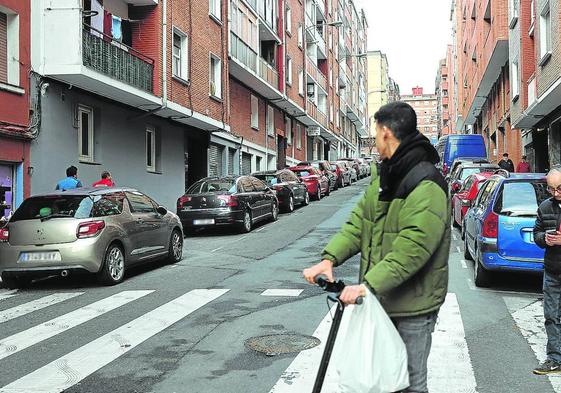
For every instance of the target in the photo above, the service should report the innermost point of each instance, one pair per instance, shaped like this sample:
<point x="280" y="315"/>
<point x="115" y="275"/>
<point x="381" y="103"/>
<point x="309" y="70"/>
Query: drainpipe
<point x="164" y="54"/>
<point x="266" y="144"/>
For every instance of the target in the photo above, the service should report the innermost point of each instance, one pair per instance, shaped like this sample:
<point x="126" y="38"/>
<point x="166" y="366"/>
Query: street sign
<point x="314" y="131"/>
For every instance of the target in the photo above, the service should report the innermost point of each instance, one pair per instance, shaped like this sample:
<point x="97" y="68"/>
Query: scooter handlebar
<point x="322" y="282"/>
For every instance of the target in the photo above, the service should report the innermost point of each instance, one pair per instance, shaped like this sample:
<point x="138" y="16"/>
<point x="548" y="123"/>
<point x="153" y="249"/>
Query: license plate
<point x="209" y="221"/>
<point x="48" y="256"/>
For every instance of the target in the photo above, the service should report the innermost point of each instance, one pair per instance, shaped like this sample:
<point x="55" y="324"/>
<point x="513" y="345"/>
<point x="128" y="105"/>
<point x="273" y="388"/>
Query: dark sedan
<point x="290" y="190"/>
<point x="239" y="201"/>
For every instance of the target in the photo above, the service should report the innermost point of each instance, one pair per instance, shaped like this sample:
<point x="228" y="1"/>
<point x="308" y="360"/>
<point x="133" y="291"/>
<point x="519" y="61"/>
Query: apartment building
<point x="17" y="119"/>
<point x="426" y="108"/>
<point x="443" y="98"/>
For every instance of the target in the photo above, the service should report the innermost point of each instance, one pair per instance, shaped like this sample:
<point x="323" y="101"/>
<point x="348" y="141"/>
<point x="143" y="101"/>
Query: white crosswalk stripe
<point x="34" y="335"/>
<point x="68" y="370"/>
<point x="7" y="293"/>
<point x="24" y="309"/>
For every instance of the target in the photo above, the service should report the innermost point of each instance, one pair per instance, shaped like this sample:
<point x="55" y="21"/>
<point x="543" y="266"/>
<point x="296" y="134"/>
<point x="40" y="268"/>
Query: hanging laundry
<point x="126" y="28"/>
<point x="107" y="23"/>
<point x="97" y="20"/>
<point x="116" y="28"/>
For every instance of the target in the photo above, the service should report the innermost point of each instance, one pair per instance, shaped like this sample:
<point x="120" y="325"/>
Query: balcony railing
<point x="316" y="74"/>
<point x="242" y="52"/>
<point x="117" y="60"/>
<point x="268" y="73"/>
<point x="317" y="115"/>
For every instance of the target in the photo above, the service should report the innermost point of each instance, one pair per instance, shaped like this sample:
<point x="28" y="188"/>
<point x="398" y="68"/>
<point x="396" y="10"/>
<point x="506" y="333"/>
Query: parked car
<point x="464" y="198"/>
<point x="316" y="182"/>
<point x="326" y="169"/>
<point x="450" y="147"/>
<point x="94" y="230"/>
<point x="498" y="228"/>
<point x="464" y="160"/>
<point x="239" y="201"/>
<point x="352" y="170"/>
<point x="464" y="170"/>
<point x="343" y="173"/>
<point x="365" y="166"/>
<point x="290" y="190"/>
<point x="360" y="172"/>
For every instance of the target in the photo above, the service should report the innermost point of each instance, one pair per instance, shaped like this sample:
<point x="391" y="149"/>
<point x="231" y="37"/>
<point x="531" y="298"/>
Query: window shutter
<point x="3" y="48"/>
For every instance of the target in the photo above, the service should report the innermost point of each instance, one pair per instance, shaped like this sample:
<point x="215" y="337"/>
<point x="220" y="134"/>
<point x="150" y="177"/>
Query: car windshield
<point x="521" y="198"/>
<point x="467" y="172"/>
<point x="269" y="179"/>
<point x="56" y="206"/>
<point x="302" y="172"/>
<point x="213" y="185"/>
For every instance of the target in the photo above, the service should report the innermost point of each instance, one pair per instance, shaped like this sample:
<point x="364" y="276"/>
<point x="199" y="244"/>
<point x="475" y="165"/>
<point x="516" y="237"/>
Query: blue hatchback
<point x="498" y="228"/>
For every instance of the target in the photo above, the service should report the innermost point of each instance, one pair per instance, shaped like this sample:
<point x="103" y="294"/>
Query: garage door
<point x="246" y="164"/>
<point x="215" y="160"/>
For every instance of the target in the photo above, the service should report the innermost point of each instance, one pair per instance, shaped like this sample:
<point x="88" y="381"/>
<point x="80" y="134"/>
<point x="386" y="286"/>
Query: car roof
<point x="478" y="165"/>
<point x="301" y="167"/>
<point x="270" y="172"/>
<point x="86" y="191"/>
<point x="521" y="176"/>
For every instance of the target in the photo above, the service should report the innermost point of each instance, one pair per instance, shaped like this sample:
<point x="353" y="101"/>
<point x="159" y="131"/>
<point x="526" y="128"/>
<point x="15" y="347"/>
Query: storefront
<point x="11" y="188"/>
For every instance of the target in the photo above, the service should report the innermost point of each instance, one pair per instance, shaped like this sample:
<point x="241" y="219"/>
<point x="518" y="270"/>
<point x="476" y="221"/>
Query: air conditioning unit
<point x="311" y="89"/>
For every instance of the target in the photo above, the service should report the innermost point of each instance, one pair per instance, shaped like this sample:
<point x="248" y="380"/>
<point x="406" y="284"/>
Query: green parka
<point x="404" y="245"/>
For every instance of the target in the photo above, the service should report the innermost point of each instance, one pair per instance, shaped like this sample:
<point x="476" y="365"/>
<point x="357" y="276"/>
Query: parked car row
<point x="496" y="213"/>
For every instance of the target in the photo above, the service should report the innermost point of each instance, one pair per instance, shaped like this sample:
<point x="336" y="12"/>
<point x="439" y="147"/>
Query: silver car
<point x="93" y="230"/>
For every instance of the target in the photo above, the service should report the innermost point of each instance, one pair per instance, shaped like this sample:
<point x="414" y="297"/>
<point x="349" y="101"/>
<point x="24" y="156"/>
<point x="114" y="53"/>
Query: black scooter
<point x="334" y="289"/>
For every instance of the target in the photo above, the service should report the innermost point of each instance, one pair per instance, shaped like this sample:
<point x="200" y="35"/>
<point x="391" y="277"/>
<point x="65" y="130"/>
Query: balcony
<point x="317" y="76"/>
<point x="82" y="57"/>
<point x="315" y="38"/>
<point x="342" y="78"/>
<point x="252" y="70"/>
<point x="316" y="114"/>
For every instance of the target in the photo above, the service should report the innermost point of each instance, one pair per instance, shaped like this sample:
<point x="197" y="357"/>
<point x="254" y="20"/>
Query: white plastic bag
<point x="369" y="355"/>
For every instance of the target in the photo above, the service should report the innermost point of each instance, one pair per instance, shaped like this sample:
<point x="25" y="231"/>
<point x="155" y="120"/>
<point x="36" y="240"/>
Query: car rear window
<point x="69" y="206"/>
<point x="215" y="185"/>
<point x="467" y="172"/>
<point x="269" y="179"/>
<point x="521" y="198"/>
<point x="302" y="173"/>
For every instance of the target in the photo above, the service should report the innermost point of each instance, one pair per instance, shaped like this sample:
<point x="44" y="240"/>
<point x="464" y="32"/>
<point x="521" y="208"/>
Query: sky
<point x="413" y="34"/>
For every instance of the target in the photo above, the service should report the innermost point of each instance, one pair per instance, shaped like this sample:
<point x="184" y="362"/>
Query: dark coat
<point x="549" y="217"/>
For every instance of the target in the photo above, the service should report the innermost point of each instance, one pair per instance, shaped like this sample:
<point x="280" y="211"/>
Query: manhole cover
<point x="277" y="344"/>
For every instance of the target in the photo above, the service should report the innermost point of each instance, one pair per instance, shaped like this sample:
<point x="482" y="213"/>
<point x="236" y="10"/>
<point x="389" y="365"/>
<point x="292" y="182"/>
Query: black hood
<point x="412" y="150"/>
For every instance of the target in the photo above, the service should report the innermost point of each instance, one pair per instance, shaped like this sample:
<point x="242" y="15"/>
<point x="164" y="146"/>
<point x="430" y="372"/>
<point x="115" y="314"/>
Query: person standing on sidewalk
<point x="547" y="235"/>
<point x="506" y="163"/>
<point x="401" y="227"/>
<point x="106" y="180"/>
<point x="71" y="181"/>
<point x="523" y="166"/>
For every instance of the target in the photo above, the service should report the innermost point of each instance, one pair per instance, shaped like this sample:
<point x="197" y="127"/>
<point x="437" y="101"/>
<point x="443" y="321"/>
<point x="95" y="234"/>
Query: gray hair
<point x="555" y="169"/>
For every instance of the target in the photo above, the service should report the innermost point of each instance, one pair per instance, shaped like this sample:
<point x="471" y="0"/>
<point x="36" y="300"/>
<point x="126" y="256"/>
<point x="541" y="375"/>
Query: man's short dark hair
<point x="505" y="155"/>
<point x="105" y="174"/>
<point x="399" y="117"/>
<point x="71" y="171"/>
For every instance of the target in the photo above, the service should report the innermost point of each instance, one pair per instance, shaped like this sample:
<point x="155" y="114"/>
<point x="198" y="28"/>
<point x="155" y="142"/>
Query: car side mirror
<point x="162" y="210"/>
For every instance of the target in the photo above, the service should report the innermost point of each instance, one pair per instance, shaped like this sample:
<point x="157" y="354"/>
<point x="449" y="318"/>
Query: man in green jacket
<point x="401" y="227"/>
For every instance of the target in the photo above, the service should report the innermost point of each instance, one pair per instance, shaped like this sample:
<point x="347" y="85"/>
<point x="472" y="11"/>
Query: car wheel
<point x="175" y="253"/>
<point x="318" y="194"/>
<point x="481" y="277"/>
<point x="275" y="212"/>
<point x="113" y="269"/>
<point x="467" y="254"/>
<point x="15" y="282"/>
<point x="306" y="199"/>
<point x="290" y="205"/>
<point x="247" y="222"/>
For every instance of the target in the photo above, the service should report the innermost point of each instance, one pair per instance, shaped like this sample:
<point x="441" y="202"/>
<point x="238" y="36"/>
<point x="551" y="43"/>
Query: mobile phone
<point x="551" y="232"/>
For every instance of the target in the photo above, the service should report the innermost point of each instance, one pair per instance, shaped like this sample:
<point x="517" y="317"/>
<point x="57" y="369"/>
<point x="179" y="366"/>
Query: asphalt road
<point x="156" y="335"/>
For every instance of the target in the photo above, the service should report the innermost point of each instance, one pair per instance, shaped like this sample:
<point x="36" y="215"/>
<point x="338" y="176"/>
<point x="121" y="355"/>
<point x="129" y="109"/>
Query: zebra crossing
<point x="450" y="363"/>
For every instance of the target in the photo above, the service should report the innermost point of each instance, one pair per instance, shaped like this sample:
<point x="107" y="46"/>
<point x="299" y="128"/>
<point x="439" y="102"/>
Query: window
<point x="513" y="12"/>
<point x="300" y="36"/>
<point x="515" y="86"/>
<point x="301" y="83"/>
<point x="288" y="21"/>
<point x="179" y="55"/>
<point x="254" y="112"/>
<point x="270" y="120"/>
<point x="288" y="71"/>
<point x="288" y="130"/>
<point x="215" y="8"/>
<point x="139" y="203"/>
<point x="9" y="48"/>
<point x="545" y="34"/>
<point x="85" y="133"/>
<point x="298" y="136"/>
<point x="151" y="149"/>
<point x="215" y="77"/>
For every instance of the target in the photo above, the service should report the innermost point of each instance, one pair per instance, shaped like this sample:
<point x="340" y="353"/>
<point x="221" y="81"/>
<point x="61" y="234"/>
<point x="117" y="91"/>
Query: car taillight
<point x="229" y="200"/>
<point x="4" y="235"/>
<point x="490" y="226"/>
<point x="182" y="201"/>
<point x="89" y="229"/>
